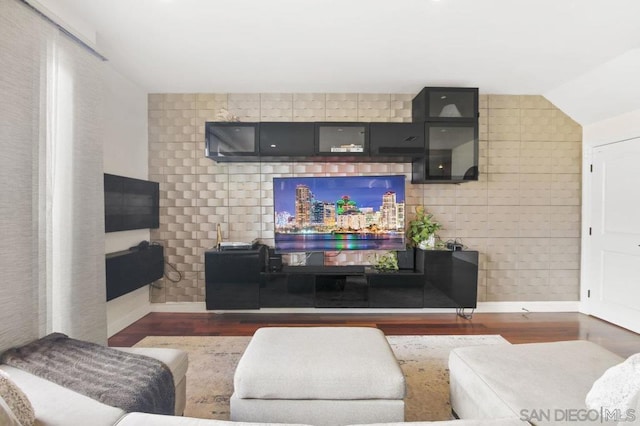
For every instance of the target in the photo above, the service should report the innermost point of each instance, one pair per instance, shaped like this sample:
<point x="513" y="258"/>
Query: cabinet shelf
<point x="441" y="142"/>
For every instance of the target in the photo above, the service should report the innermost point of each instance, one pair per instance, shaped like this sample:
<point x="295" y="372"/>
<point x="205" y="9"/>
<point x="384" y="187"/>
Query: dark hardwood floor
<point x="515" y="327"/>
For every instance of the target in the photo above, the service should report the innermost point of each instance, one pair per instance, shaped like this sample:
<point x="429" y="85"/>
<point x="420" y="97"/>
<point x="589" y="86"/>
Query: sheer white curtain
<point x="51" y="195"/>
<point x="74" y="114"/>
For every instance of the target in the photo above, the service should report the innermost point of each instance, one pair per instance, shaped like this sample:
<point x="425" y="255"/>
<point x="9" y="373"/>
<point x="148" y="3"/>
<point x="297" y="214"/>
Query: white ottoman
<point x="318" y="376"/>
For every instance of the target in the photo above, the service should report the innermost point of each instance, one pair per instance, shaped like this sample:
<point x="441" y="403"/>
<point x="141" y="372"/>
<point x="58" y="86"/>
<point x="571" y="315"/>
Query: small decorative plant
<point x="422" y="230"/>
<point x="385" y="262"/>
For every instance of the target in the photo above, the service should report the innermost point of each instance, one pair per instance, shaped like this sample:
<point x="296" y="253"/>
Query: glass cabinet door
<point x="452" y="153"/>
<point x="350" y="139"/>
<point x="446" y="104"/>
<point x="452" y="104"/>
<point x="231" y="139"/>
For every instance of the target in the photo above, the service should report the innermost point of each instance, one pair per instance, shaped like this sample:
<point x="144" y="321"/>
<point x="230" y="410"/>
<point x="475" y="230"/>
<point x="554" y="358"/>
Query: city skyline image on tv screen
<point x="339" y="213"/>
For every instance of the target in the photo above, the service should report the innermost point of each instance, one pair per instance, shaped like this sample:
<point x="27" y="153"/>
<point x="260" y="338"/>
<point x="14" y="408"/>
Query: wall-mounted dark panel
<point x="128" y="270"/>
<point x="286" y="139"/>
<point x="130" y="203"/>
<point x="397" y="139"/>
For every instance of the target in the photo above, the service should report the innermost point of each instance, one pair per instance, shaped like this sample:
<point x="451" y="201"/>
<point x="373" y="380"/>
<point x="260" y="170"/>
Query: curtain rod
<point x="63" y="30"/>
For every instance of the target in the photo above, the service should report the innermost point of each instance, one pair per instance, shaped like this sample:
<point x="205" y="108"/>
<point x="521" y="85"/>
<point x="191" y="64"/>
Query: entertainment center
<point x="244" y="279"/>
<point x="317" y="214"/>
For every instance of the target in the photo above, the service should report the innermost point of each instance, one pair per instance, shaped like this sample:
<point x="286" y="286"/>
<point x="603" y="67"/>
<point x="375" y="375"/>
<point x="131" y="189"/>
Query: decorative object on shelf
<point x="386" y="262"/>
<point x="218" y="236"/>
<point x="225" y="115"/>
<point x="450" y="111"/>
<point x="422" y="230"/>
<point x="429" y="243"/>
<point x="347" y="148"/>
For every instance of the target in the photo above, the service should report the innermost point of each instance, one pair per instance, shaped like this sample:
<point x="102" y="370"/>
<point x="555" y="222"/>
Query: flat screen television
<point x="339" y="213"/>
<point x="130" y="203"/>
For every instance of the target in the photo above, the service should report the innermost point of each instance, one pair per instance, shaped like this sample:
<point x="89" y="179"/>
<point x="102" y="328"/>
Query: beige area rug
<point x="213" y="359"/>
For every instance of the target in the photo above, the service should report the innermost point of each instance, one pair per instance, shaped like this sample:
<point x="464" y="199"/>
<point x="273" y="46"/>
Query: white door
<point x="614" y="261"/>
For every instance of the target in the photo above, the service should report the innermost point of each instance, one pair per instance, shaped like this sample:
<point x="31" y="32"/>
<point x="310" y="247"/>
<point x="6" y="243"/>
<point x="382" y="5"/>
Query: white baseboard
<point x="179" y="307"/>
<point x="125" y="321"/>
<point x="484" y="307"/>
<point x="528" y="307"/>
<point x="127" y="309"/>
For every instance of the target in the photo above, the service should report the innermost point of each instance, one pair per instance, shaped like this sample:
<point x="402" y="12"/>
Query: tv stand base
<point x="441" y="279"/>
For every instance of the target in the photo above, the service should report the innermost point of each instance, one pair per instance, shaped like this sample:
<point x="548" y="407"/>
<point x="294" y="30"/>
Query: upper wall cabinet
<point x="397" y="139"/>
<point x="342" y="139"/>
<point x="283" y="139"/>
<point x="450" y="118"/>
<point x="231" y="141"/>
<point x="441" y="142"/>
<point x="452" y="154"/>
<point x="445" y="104"/>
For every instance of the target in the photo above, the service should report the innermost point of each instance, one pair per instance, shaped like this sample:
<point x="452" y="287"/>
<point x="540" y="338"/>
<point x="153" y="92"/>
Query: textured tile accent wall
<point x="523" y="215"/>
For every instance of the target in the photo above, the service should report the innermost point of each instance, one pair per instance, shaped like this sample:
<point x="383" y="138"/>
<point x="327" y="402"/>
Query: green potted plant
<point x="386" y="262"/>
<point x="422" y="230"/>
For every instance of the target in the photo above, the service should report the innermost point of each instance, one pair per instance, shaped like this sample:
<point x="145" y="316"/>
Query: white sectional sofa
<point x="56" y="405"/>
<point x="544" y="383"/>
<point x="490" y="385"/>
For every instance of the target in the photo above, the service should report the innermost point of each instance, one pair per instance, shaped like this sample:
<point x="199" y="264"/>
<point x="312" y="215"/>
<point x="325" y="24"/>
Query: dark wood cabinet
<point x="396" y="140"/>
<point x="231" y="141"/>
<point x="279" y="139"/>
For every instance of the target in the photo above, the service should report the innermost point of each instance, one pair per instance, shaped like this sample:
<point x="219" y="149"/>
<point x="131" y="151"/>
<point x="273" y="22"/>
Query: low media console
<point x="242" y="279"/>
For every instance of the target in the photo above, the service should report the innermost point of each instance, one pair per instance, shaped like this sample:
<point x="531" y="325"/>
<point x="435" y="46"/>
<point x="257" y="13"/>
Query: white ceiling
<point x="379" y="46"/>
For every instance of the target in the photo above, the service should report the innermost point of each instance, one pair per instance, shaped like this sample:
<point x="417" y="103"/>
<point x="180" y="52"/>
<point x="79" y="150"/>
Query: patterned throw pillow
<point x="618" y="388"/>
<point x="16" y="400"/>
<point x="6" y="415"/>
